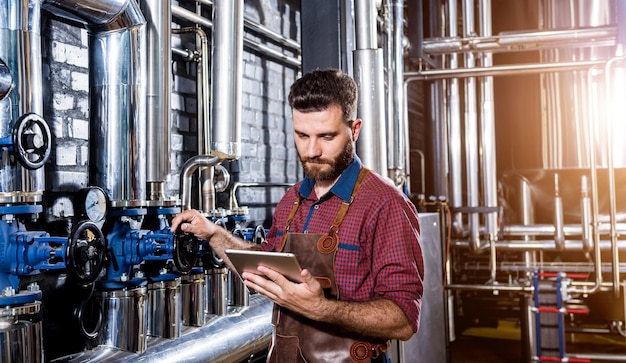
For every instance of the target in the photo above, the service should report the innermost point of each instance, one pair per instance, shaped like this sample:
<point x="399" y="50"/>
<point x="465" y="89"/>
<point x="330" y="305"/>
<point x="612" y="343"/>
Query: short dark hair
<point x="319" y="89"/>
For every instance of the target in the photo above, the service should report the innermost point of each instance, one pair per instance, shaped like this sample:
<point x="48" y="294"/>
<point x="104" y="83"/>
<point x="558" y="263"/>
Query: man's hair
<point x="319" y="89"/>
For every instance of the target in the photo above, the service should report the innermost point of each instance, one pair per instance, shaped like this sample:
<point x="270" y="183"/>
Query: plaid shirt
<point x="379" y="255"/>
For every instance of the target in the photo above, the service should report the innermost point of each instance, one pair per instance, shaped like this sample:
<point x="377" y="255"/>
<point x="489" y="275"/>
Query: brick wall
<point x="268" y="153"/>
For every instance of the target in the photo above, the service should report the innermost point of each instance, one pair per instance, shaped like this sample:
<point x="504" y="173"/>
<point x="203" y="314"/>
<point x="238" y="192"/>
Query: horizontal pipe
<point x="230" y="338"/>
<point x="506" y="70"/>
<point x="185" y="14"/>
<point x="519" y="41"/>
<point x="544" y="245"/>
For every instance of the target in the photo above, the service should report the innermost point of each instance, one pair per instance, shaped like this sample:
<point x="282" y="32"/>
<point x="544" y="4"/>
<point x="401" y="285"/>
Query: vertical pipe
<point x="397" y="164"/>
<point x="455" y="139"/>
<point x="613" y="119"/>
<point x="471" y="132"/>
<point x="226" y="78"/>
<point x="488" y="128"/>
<point x="158" y="89"/>
<point x="368" y="74"/>
<point x="20" y="36"/>
<point x="117" y="108"/>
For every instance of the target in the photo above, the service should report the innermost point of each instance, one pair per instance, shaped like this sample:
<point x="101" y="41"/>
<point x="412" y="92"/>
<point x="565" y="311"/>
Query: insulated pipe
<point x="368" y="74"/>
<point x="230" y="338"/>
<point x="20" y="36"/>
<point x="158" y="90"/>
<point x="117" y="108"/>
<point x="226" y="78"/>
<point x="117" y="94"/>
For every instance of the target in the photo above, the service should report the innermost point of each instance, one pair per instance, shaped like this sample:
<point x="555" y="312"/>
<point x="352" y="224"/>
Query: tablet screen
<point x="247" y="261"/>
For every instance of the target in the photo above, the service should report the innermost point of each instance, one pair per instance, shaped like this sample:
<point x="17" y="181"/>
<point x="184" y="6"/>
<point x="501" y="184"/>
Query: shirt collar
<point x="344" y="185"/>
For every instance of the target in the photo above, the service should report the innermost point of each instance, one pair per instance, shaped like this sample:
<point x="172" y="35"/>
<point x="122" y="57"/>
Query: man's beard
<point x="337" y="166"/>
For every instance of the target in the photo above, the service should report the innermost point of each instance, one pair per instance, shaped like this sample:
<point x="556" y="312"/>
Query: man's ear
<point x="356" y="129"/>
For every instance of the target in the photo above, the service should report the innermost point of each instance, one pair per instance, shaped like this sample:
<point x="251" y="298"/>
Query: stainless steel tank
<point x="20" y="334"/>
<point x="217" y="291"/>
<point x="193" y="298"/>
<point x="125" y="319"/>
<point x="164" y="318"/>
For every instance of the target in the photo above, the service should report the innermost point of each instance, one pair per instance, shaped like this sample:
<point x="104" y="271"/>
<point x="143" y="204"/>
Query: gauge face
<point x="96" y="204"/>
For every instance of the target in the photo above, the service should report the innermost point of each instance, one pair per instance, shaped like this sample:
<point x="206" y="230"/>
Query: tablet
<point x="283" y="262"/>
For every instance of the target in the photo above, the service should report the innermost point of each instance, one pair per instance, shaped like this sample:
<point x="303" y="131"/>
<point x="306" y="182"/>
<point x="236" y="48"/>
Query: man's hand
<point x="191" y="221"/>
<point x="306" y="298"/>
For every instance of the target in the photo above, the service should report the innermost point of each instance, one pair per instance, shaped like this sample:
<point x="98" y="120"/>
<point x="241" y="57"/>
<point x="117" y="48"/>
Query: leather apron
<point x="298" y="339"/>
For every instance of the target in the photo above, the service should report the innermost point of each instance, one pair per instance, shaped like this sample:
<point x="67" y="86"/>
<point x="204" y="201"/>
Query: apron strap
<point x="329" y="242"/>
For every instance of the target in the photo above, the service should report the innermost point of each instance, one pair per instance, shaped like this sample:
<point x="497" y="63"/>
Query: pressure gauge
<point x="95" y="203"/>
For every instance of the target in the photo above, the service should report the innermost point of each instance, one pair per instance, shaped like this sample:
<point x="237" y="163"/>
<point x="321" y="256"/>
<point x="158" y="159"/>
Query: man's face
<point x="324" y="142"/>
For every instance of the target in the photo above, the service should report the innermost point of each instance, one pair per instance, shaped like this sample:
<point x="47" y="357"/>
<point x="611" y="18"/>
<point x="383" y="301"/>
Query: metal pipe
<point x="233" y="205"/>
<point x="530" y="40"/>
<point x="543" y="245"/>
<point x="117" y="94"/>
<point x="593" y="173"/>
<point x="158" y="90"/>
<point x="226" y="78"/>
<point x="506" y="70"/>
<point x="585" y="207"/>
<point x="187" y="171"/>
<point x="117" y="108"/>
<point x="264" y="31"/>
<point x="559" y="235"/>
<point x="295" y="61"/>
<point x="547" y="230"/>
<point x="612" y="118"/>
<point x="397" y="163"/>
<point x="369" y="76"/>
<point x="454" y="139"/>
<point x="20" y="36"/>
<point x="471" y="135"/>
<point x="230" y="338"/>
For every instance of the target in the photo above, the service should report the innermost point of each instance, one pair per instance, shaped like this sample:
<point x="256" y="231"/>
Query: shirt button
<point x="317" y="206"/>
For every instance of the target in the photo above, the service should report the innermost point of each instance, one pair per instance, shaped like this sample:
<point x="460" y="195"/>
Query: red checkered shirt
<point x="379" y="254"/>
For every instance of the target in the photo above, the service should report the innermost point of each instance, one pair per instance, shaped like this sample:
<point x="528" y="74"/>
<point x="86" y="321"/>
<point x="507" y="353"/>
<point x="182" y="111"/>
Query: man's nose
<point x="313" y="149"/>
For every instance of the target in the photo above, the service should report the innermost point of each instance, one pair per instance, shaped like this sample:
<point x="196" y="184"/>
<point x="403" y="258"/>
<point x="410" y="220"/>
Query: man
<point x="355" y="235"/>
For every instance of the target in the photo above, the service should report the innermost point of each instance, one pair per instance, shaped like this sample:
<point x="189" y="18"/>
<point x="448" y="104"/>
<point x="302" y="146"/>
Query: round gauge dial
<point x="96" y="204"/>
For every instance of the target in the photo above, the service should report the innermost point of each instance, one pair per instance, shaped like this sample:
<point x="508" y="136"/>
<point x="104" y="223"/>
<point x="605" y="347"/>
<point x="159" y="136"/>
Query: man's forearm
<point x="376" y="319"/>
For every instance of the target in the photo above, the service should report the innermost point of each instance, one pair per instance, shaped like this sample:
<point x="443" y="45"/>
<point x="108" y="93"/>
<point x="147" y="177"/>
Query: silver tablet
<point x="247" y="261"/>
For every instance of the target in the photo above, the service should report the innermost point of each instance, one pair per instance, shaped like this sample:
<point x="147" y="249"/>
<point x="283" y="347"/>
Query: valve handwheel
<point x="185" y="252"/>
<point x="31" y="141"/>
<point x="86" y="252"/>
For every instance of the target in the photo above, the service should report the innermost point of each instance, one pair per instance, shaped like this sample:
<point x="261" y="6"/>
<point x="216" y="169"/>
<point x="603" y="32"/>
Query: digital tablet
<point x="247" y="261"/>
